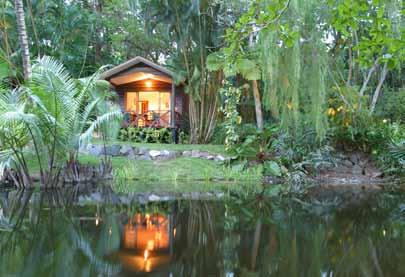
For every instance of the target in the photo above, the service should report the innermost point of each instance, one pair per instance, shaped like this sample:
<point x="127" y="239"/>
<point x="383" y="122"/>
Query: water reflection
<point x="65" y="233"/>
<point x="147" y="242"/>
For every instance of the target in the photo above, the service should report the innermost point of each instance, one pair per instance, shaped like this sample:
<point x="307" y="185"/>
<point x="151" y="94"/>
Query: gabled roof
<point x="131" y="63"/>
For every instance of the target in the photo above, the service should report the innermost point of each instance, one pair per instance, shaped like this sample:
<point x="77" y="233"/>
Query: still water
<point x="85" y="233"/>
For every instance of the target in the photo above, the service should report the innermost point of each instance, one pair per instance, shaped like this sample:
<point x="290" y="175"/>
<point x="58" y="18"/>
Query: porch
<point x="147" y="94"/>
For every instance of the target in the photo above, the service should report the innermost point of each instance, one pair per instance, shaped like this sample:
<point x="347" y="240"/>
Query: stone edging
<point x="142" y="153"/>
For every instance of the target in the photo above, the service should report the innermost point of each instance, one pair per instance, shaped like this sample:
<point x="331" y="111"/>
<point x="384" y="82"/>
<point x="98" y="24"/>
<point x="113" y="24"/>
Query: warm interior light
<point x="146" y="254"/>
<point x="141" y="122"/>
<point x="148" y="83"/>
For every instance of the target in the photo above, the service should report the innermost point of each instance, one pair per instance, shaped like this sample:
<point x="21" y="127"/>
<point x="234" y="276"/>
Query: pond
<point x="95" y="232"/>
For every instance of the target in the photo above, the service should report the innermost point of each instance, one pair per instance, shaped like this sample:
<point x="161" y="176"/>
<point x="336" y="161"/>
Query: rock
<point x="357" y="170"/>
<point x="165" y="153"/>
<point x="113" y="150"/>
<point x="153" y="197"/>
<point x="154" y="153"/>
<point x="204" y="155"/>
<point x="347" y="163"/>
<point x="354" y="158"/>
<point x="195" y="153"/>
<point x="127" y="150"/>
<point x="173" y="154"/>
<point x="143" y="157"/>
<point x="96" y="196"/>
<point x="143" y="151"/>
<point x="210" y="157"/>
<point x="186" y="153"/>
<point x="95" y="149"/>
<point x="220" y="158"/>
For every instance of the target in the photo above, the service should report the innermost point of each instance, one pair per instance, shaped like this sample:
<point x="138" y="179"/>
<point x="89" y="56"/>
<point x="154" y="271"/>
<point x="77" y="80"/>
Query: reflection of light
<point x="146" y="254"/>
<point x="384" y="233"/>
<point x="148" y="84"/>
<point x="150" y="245"/>
<point x="97" y="221"/>
<point x="174" y="232"/>
<point x="109" y="231"/>
<point x="148" y="266"/>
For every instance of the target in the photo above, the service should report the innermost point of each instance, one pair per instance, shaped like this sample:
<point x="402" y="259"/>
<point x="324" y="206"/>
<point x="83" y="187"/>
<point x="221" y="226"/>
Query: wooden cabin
<point x="147" y="94"/>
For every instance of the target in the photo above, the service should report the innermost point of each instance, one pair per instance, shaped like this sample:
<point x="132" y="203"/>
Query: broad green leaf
<point x="214" y="62"/>
<point x="272" y="168"/>
<point x="4" y="70"/>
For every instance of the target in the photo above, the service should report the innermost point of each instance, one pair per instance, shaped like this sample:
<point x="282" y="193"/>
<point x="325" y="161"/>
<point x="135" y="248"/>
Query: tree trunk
<point x="23" y="38"/>
<point x="365" y="82"/>
<point x="258" y="105"/>
<point x="256" y="243"/>
<point x="378" y="88"/>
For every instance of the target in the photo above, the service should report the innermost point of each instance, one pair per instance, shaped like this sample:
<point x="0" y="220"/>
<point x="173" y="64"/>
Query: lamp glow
<point x="148" y="83"/>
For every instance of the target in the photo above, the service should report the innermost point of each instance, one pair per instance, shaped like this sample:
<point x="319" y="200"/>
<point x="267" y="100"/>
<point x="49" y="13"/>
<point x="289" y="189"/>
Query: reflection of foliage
<point x="47" y="238"/>
<point x="197" y="233"/>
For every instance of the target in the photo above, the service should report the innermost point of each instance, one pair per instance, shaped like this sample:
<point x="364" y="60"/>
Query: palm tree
<point x="22" y="35"/>
<point x="50" y="118"/>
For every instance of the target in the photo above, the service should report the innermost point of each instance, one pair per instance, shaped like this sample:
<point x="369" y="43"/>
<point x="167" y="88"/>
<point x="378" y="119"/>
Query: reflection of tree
<point x="42" y="239"/>
<point x="198" y="233"/>
<point x="283" y="240"/>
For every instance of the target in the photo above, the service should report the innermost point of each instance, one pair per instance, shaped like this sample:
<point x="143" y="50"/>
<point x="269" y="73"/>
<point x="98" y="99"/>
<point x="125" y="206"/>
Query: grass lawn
<point x="212" y="148"/>
<point x="180" y="169"/>
<point x="183" y="174"/>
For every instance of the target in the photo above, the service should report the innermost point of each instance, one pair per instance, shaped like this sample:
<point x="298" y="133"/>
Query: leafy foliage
<point x="52" y="116"/>
<point x="147" y="135"/>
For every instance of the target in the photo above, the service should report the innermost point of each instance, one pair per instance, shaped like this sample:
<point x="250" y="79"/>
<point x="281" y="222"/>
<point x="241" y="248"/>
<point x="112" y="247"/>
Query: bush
<point x="146" y="135"/>
<point x="391" y="106"/>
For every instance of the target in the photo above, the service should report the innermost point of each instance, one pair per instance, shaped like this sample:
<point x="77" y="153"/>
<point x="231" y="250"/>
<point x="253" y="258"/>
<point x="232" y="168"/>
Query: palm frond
<point x="398" y="151"/>
<point x="115" y="114"/>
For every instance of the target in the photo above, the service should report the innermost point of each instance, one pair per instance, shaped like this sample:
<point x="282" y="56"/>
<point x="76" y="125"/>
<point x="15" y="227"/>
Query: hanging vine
<point x="232" y="119"/>
<point x="293" y="73"/>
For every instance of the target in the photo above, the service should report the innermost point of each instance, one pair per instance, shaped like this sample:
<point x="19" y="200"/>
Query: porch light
<point x="148" y="83"/>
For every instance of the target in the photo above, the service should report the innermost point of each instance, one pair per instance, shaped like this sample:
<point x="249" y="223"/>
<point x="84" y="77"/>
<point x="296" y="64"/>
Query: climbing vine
<point x="231" y="96"/>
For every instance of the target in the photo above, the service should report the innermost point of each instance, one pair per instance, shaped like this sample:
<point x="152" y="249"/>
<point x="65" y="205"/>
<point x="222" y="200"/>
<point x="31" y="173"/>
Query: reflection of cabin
<point x="147" y="242"/>
<point x="147" y="94"/>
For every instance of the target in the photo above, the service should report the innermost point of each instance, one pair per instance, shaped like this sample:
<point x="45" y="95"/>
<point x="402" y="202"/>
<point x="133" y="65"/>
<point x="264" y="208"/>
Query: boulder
<point x="195" y="153"/>
<point x="95" y="149"/>
<point x="153" y="197"/>
<point x="220" y="158"/>
<point x="143" y="151"/>
<point x="127" y="150"/>
<point x="186" y="153"/>
<point x="154" y="153"/>
<point x="113" y="150"/>
<point x="143" y="157"/>
<point x="173" y="154"/>
<point x="204" y="155"/>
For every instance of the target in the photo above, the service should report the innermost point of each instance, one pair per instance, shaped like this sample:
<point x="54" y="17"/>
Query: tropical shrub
<point x="392" y="106"/>
<point x="49" y="118"/>
<point x="146" y="135"/>
<point x="251" y="143"/>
